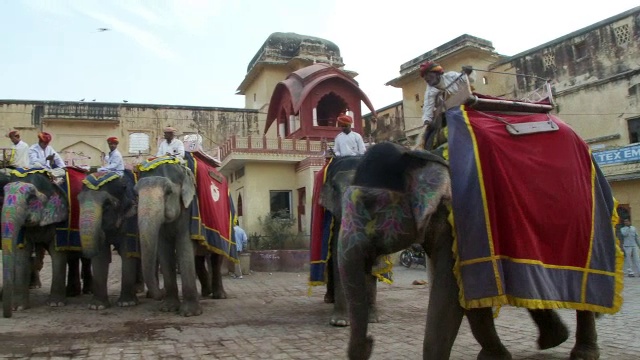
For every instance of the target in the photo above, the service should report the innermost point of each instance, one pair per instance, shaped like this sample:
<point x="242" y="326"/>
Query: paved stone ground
<point x="271" y="316"/>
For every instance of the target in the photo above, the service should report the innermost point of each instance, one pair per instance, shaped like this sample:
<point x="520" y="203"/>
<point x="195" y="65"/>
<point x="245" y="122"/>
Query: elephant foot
<point x="170" y="305"/>
<point x="503" y="354"/>
<point x="206" y="292"/>
<point x="35" y="282"/>
<point x="139" y="288"/>
<point x="585" y="352"/>
<point x="190" y="308"/>
<point x="161" y="294"/>
<point x="339" y="320"/>
<point x="20" y="307"/>
<point x="553" y="336"/>
<point x="97" y="304"/>
<point x="219" y="294"/>
<point x="56" y="301"/>
<point x="87" y="289"/>
<point x="127" y="301"/>
<point x="360" y="351"/>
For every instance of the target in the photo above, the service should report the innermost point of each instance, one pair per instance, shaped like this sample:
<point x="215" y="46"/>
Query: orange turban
<point x="344" y="120"/>
<point x="45" y="137"/>
<point x="430" y="66"/>
<point x="113" y="140"/>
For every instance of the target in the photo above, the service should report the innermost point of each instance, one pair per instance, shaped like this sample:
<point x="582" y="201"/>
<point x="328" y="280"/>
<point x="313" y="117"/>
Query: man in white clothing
<point x="240" y="237"/>
<point x="439" y="83"/>
<point x="171" y="145"/>
<point x="114" y="160"/>
<point x="631" y="245"/>
<point x="20" y="153"/>
<point x="43" y="155"/>
<point x="347" y="143"/>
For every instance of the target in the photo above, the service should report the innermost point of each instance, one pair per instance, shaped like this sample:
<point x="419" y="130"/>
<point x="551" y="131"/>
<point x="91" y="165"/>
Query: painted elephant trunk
<point x="14" y="217"/>
<point x="351" y="262"/>
<point x="150" y="218"/>
<point x="92" y="236"/>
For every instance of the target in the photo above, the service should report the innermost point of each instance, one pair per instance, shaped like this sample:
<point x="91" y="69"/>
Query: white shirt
<point x="38" y="157"/>
<point x="20" y="156"/>
<point x="115" y="163"/>
<point x="350" y="144"/>
<point x="176" y="148"/>
<point x="447" y="82"/>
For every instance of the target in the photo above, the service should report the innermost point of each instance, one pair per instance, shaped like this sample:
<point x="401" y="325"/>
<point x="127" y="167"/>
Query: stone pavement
<point x="271" y="316"/>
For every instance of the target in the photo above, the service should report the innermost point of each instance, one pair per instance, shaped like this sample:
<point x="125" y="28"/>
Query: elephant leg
<point x="167" y="259"/>
<point x="74" y="288"/>
<point x="551" y="328"/>
<point x="87" y="275"/>
<point x="340" y="315"/>
<point x="100" y="265"/>
<point x="329" y="296"/>
<point x="484" y="330"/>
<point x="139" y="279"/>
<point x="59" y="267"/>
<point x="22" y="276"/>
<point x="372" y="292"/>
<point x="586" y="347"/>
<point x="444" y="313"/>
<point x="203" y="275"/>
<point x="190" y="303"/>
<point x="37" y="263"/>
<point x="217" y="290"/>
<point x="128" y="282"/>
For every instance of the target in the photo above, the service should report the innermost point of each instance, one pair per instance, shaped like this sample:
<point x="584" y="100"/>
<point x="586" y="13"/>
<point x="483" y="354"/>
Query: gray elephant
<point x="400" y="197"/>
<point x="108" y="218"/>
<point x="165" y="194"/>
<point x="339" y="175"/>
<point x="32" y="207"/>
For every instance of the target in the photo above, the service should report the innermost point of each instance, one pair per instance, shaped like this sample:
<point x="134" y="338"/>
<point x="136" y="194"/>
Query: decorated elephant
<point x="108" y="218"/>
<point x="331" y="183"/>
<point x="168" y="224"/>
<point x="401" y="196"/>
<point x="33" y="208"/>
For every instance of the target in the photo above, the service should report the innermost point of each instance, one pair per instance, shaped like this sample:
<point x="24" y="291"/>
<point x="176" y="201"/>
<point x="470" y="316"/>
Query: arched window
<point x="329" y="108"/>
<point x="239" y="209"/>
<point x="138" y="143"/>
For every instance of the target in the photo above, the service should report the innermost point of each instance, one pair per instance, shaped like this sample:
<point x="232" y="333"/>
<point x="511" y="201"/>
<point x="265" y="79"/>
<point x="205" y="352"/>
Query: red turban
<point x="430" y="66"/>
<point x="113" y="140"/>
<point x="344" y="120"/>
<point x="45" y="137"/>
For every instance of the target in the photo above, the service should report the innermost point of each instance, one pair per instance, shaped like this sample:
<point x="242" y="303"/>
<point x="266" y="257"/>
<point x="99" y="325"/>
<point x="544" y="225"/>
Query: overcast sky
<point x="196" y="52"/>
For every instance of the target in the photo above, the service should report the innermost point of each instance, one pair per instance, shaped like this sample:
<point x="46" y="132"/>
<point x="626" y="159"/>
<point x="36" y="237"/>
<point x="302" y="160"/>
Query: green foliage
<point x="278" y="233"/>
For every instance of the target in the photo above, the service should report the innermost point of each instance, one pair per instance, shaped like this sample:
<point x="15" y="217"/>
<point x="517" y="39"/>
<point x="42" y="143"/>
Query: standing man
<point x="631" y="244"/>
<point x="114" y="161"/>
<point x="44" y="156"/>
<point x="347" y="143"/>
<point x="240" y="238"/>
<point x="20" y="154"/>
<point x="171" y="145"/>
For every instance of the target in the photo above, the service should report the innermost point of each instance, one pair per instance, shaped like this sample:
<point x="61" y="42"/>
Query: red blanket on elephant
<point x="68" y="233"/>
<point x="212" y="213"/>
<point x="533" y="216"/>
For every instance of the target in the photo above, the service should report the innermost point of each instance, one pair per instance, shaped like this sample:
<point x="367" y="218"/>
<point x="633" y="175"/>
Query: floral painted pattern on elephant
<point x="428" y="186"/>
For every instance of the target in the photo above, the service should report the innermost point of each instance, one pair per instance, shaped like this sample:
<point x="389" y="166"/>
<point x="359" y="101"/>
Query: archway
<point x="329" y="108"/>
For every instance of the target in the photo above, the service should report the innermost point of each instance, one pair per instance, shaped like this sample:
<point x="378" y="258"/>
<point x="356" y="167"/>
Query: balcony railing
<point x="261" y="144"/>
<point x="82" y="111"/>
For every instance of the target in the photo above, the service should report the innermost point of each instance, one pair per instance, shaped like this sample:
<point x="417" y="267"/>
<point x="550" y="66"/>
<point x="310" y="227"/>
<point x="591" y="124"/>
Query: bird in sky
<point x="82" y="99"/>
<point x="93" y="100"/>
<point x="125" y="100"/>
<point x="103" y="29"/>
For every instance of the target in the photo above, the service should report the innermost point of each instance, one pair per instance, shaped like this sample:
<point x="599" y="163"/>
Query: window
<point x="239" y="204"/>
<point x="623" y="34"/>
<point x="138" y="143"/>
<point x="239" y="173"/>
<point x="634" y="130"/>
<point x="485" y="81"/>
<point x="280" y="203"/>
<point x="417" y="97"/>
<point x="549" y="61"/>
<point x="580" y="50"/>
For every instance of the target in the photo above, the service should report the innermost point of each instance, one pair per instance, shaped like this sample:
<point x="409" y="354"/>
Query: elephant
<point x="32" y="207"/>
<point x="379" y="217"/>
<point x="339" y="175"/>
<point x="165" y="194"/>
<point x="108" y="217"/>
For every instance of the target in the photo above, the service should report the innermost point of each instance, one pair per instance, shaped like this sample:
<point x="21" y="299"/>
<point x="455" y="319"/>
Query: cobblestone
<point x="271" y="316"/>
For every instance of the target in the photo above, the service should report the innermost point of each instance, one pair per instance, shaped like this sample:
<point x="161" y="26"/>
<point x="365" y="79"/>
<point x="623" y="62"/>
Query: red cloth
<point x="74" y="186"/>
<point x="213" y="197"/>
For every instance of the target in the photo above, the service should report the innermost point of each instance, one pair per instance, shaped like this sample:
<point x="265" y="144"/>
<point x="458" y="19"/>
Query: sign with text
<point x="618" y="156"/>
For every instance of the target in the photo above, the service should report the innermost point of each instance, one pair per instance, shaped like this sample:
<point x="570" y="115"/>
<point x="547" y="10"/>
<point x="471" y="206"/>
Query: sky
<point x="196" y="52"/>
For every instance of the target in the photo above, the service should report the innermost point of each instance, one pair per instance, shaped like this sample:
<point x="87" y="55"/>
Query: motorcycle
<point x="415" y="254"/>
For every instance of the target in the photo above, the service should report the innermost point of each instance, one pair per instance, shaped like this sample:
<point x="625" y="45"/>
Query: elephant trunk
<point x="92" y="236"/>
<point x="14" y="216"/>
<point x="150" y="218"/>
<point x="352" y="265"/>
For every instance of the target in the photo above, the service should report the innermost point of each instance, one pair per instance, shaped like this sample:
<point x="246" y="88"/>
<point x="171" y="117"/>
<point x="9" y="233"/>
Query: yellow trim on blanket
<point x="150" y="165"/>
<point x="89" y="185"/>
<point x="19" y="174"/>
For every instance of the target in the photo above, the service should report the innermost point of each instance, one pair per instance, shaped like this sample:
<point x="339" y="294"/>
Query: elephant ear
<point x="188" y="188"/>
